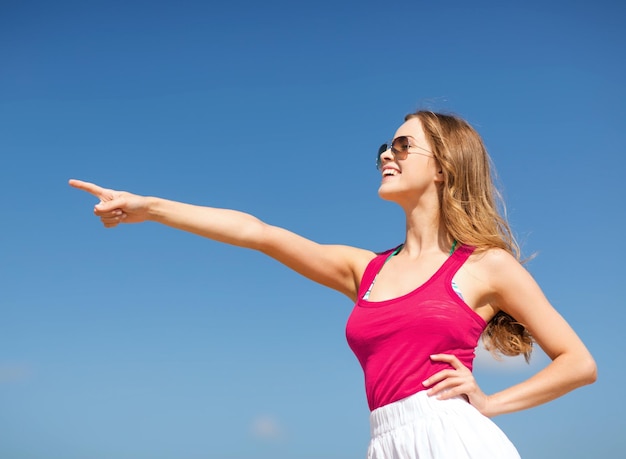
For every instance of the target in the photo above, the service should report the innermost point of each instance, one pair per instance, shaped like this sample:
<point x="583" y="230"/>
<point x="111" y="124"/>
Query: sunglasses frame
<point x="400" y="153"/>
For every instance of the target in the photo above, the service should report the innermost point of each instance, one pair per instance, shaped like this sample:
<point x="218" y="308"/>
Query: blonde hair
<point x="472" y="211"/>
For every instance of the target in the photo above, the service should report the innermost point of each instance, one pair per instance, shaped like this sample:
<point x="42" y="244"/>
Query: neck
<point x="424" y="231"/>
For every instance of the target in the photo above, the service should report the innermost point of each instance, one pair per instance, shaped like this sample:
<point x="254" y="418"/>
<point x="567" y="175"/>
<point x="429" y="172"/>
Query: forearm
<point x="222" y="225"/>
<point x="564" y="374"/>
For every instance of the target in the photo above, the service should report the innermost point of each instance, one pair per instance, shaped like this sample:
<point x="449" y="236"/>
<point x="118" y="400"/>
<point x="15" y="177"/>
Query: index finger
<point x="92" y="188"/>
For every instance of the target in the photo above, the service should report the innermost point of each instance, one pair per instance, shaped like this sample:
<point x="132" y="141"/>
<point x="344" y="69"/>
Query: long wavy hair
<point x="473" y="211"/>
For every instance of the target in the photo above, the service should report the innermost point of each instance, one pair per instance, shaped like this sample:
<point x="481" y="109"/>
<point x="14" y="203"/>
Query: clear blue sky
<point x="145" y="343"/>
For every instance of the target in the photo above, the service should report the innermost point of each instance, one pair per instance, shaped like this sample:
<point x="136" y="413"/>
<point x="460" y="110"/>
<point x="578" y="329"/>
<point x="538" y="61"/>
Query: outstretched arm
<point x="335" y="266"/>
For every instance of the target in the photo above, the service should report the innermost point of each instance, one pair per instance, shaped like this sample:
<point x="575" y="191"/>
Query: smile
<point x="390" y="172"/>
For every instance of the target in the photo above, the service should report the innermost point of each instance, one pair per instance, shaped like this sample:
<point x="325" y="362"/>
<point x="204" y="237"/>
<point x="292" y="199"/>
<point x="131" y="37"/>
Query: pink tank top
<point x="393" y="339"/>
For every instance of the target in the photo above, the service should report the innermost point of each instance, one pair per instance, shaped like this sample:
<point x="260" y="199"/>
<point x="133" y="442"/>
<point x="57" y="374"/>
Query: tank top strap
<point x="456" y="260"/>
<point x="372" y="269"/>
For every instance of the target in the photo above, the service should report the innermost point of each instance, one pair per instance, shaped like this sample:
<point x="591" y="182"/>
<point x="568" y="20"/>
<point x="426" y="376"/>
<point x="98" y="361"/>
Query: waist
<point x="392" y="378"/>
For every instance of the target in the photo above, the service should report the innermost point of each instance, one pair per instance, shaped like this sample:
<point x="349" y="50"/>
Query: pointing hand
<point x="115" y="207"/>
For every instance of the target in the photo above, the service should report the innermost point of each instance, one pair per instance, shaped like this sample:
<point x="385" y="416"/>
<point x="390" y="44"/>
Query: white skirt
<point x="422" y="427"/>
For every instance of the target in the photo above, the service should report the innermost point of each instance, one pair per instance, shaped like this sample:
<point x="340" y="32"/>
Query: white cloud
<point x="267" y="428"/>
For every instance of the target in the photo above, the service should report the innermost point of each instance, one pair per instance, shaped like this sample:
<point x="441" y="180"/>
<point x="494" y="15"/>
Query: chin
<point x="388" y="195"/>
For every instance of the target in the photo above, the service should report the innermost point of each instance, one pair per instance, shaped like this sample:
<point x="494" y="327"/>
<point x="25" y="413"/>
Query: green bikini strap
<point x="395" y="252"/>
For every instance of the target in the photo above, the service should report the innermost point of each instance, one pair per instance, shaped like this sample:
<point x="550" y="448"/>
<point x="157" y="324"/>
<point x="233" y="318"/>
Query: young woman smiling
<point x="421" y="307"/>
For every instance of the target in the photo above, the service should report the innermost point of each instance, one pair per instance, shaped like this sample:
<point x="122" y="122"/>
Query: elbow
<point x="588" y="371"/>
<point x="593" y="373"/>
<point x="581" y="370"/>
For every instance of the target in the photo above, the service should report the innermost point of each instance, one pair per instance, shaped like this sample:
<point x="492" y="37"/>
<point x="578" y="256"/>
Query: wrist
<point x="493" y="406"/>
<point x="154" y="208"/>
<point x="489" y="409"/>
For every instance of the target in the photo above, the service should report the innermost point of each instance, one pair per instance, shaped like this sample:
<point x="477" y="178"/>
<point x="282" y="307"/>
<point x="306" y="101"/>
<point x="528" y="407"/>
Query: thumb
<point x="108" y="206"/>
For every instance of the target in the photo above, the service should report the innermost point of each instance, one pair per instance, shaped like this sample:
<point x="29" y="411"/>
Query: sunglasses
<point x="400" y="149"/>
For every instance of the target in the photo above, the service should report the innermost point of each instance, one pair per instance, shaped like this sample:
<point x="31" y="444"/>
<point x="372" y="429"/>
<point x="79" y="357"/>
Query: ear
<point x="439" y="175"/>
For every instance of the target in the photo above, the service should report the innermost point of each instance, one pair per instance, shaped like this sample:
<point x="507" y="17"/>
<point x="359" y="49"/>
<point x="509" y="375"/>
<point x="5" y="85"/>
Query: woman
<point x="421" y="307"/>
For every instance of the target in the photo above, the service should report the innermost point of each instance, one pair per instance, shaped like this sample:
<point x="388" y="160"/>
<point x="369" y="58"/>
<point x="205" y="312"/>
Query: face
<point x="408" y="167"/>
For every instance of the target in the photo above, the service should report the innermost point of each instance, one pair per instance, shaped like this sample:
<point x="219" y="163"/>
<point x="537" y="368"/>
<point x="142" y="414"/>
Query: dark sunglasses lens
<point x="383" y="148"/>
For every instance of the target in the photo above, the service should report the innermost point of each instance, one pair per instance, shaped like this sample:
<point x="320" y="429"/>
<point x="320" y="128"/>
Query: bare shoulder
<point x="497" y="272"/>
<point x="343" y="262"/>
<point x="495" y="263"/>
<point x="494" y="258"/>
<point x="339" y="267"/>
<point x="509" y="284"/>
<point x="483" y="278"/>
<point x="357" y="257"/>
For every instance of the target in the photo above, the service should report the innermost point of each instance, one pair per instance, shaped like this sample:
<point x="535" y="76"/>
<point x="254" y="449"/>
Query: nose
<point x="385" y="156"/>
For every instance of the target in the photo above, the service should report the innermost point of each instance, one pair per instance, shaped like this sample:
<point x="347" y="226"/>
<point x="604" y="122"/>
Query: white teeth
<point x="388" y="172"/>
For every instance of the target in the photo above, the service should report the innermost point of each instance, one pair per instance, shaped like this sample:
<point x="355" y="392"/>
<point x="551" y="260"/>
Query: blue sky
<point x="143" y="342"/>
